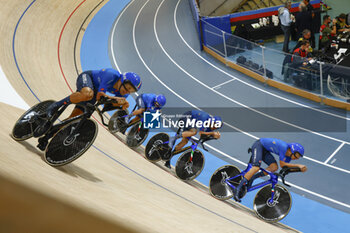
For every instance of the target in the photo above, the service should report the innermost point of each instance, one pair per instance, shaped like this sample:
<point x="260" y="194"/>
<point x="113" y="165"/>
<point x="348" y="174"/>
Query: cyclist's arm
<point x="303" y="168"/>
<point x="138" y="111"/>
<point x="120" y="100"/>
<point x="213" y="133"/>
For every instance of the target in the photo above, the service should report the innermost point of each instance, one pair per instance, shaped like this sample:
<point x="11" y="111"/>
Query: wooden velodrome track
<point x="111" y="188"/>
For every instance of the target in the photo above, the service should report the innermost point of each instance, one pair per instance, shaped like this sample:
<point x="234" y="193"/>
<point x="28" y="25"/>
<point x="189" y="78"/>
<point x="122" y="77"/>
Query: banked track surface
<point x="110" y="180"/>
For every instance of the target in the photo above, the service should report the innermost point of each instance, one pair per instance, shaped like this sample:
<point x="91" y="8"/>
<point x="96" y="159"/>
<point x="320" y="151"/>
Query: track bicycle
<point x="272" y="202"/>
<point x="70" y="137"/>
<point x="119" y="123"/>
<point x="189" y="165"/>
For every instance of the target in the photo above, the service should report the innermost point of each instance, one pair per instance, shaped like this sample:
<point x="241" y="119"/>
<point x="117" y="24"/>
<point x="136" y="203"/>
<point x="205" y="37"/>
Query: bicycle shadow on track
<point x="70" y="169"/>
<point x="31" y="148"/>
<point x="76" y="171"/>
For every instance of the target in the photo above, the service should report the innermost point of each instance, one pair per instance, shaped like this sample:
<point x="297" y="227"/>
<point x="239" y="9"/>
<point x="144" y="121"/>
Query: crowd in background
<point x="306" y="28"/>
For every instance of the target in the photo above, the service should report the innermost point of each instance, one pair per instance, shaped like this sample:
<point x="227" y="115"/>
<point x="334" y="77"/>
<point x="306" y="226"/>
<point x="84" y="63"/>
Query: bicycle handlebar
<point x="107" y="101"/>
<point x="285" y="171"/>
<point x="108" y="106"/>
<point x="205" y="138"/>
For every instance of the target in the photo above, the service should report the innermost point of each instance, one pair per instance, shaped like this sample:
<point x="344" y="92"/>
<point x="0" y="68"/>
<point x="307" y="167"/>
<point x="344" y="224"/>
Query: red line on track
<point x="59" y="44"/>
<point x="58" y="51"/>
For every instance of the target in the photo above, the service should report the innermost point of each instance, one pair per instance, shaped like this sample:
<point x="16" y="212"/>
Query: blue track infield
<point x="306" y="215"/>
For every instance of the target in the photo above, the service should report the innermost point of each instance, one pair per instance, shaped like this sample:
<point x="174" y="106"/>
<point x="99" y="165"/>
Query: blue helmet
<point x="161" y="100"/>
<point x="133" y="79"/>
<point x="216" y="119"/>
<point x="296" y="147"/>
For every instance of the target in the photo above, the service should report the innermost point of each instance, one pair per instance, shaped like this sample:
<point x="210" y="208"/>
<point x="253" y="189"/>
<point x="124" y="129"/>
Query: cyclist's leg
<point x="255" y="160"/>
<point x="183" y="142"/>
<point x="76" y="112"/>
<point x="271" y="162"/>
<point x="137" y="111"/>
<point x="85" y="92"/>
<point x="272" y="166"/>
<point x="182" y="130"/>
<point x="185" y="135"/>
<point x="180" y="145"/>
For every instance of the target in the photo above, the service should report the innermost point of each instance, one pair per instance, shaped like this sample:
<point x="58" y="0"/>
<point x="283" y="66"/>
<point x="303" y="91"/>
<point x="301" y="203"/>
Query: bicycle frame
<point x="193" y="147"/>
<point x="87" y="113"/>
<point x="57" y="126"/>
<point x="273" y="181"/>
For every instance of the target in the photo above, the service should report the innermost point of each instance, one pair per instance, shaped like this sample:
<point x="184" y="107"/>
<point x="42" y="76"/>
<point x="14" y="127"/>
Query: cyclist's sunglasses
<point x="156" y="104"/>
<point x="296" y="155"/>
<point x="128" y="82"/>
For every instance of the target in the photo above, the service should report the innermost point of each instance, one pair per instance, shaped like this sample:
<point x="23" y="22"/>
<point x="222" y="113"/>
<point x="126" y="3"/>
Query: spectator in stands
<point x="309" y="7"/>
<point x="306" y="35"/>
<point x="311" y="11"/>
<point x="301" y="55"/>
<point x="286" y="21"/>
<point x="303" y="20"/>
<point x="341" y="24"/>
<point x="327" y="32"/>
<point x="300" y="58"/>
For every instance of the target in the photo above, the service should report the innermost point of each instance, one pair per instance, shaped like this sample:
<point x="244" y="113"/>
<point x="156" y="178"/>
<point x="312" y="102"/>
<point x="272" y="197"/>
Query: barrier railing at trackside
<point x="195" y="13"/>
<point x="319" y="81"/>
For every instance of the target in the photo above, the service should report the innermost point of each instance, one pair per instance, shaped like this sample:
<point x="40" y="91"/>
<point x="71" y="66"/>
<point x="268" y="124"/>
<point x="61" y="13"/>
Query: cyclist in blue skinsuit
<point x="91" y="85"/>
<point x="189" y="131"/>
<point x="146" y="102"/>
<point x="261" y="151"/>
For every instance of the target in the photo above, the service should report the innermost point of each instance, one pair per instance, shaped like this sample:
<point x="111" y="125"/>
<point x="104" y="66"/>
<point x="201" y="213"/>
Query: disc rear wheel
<point x="157" y="146"/>
<point x="218" y="184"/>
<point x="136" y="136"/>
<point x="69" y="144"/>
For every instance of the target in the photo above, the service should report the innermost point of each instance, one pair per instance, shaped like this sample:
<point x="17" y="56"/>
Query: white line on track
<point x="311" y="159"/>
<point x="222" y="83"/>
<point x="113" y="33"/>
<point x="316" y="133"/>
<point x="298" y="187"/>
<point x="332" y="155"/>
<point x="248" y="84"/>
<point x="319" y="134"/>
<point x="234" y="101"/>
<point x="186" y="101"/>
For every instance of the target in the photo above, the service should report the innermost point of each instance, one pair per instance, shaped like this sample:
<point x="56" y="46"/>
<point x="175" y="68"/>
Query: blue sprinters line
<point x="14" y="51"/>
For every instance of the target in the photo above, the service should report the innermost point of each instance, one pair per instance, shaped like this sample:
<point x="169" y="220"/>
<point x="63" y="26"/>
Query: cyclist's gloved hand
<point x="125" y="105"/>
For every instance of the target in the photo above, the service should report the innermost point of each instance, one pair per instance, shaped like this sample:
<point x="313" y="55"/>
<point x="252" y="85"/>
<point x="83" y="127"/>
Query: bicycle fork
<point x="274" y="195"/>
<point x="189" y="163"/>
<point x="137" y="135"/>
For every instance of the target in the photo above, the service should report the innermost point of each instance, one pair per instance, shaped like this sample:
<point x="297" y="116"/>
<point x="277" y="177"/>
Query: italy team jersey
<point x="277" y="147"/>
<point x="148" y="101"/>
<point x="201" y="116"/>
<point x="105" y="79"/>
